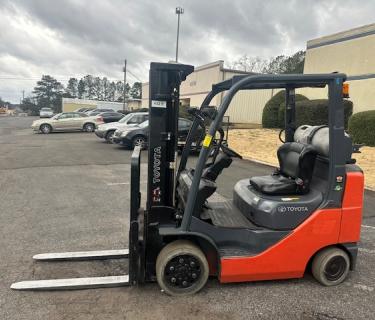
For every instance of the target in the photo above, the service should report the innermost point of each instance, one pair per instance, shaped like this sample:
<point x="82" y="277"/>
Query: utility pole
<point x="179" y="11"/>
<point x="124" y="69"/>
<point x="23" y="95"/>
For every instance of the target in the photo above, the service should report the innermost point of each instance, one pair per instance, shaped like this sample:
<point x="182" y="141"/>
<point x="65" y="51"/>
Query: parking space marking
<point x="363" y="287"/>
<point x="369" y="251"/>
<point x="370" y="227"/>
<point x="122" y="183"/>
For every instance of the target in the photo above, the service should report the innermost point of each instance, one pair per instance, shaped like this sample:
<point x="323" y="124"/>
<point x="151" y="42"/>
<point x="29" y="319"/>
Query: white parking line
<point x="369" y="251"/>
<point x="370" y="227"/>
<point x="122" y="183"/>
<point x="363" y="287"/>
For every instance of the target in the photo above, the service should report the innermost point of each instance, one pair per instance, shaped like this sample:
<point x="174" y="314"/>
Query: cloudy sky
<point x="72" y="38"/>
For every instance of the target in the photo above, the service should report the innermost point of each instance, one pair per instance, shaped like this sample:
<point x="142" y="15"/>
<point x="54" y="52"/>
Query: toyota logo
<point x="281" y="209"/>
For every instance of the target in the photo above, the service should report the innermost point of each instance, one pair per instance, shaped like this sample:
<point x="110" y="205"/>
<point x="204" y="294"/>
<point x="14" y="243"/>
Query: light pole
<point x="124" y="70"/>
<point x="179" y="11"/>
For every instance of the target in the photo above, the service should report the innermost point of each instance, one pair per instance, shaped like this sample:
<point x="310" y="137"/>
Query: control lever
<point x="196" y="113"/>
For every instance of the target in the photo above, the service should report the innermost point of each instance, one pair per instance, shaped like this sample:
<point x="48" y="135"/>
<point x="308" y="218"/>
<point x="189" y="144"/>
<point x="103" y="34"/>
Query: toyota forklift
<point x="305" y="215"/>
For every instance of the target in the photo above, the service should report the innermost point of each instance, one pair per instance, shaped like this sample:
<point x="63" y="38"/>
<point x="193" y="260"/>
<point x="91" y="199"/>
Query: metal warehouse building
<point x="246" y="107"/>
<point x="351" y="52"/>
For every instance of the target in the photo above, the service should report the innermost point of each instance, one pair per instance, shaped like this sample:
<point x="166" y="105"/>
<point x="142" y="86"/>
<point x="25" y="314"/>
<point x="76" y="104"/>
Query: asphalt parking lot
<point x="70" y="192"/>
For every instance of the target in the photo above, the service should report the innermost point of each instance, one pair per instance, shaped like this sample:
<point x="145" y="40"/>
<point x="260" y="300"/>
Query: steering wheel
<point x="230" y="152"/>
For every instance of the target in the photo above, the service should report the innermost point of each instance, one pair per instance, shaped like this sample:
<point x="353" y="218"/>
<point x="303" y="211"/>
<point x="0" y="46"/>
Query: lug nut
<point x="192" y="264"/>
<point x="194" y="275"/>
<point x="181" y="260"/>
<point x="173" y="280"/>
<point x="184" y="283"/>
<point x="171" y="268"/>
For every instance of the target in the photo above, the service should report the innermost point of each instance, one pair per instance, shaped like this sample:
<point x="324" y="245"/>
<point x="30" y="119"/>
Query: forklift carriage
<point x="306" y="213"/>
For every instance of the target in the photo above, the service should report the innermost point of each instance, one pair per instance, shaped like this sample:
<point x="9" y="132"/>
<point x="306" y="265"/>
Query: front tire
<point x="89" y="127"/>
<point x="109" y="135"/>
<point x="45" y="128"/>
<point x="330" y="266"/>
<point x="181" y="268"/>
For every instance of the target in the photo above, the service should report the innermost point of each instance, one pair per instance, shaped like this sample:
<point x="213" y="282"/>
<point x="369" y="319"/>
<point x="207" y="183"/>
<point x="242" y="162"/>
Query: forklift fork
<point x="133" y="253"/>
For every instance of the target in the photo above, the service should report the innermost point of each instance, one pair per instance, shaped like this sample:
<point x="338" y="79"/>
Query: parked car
<point x="84" y="109"/>
<point x="111" y="116"/>
<point x="97" y="111"/>
<point x="45" y="113"/>
<point x="67" y="121"/>
<point x="106" y="131"/>
<point x="138" y="135"/>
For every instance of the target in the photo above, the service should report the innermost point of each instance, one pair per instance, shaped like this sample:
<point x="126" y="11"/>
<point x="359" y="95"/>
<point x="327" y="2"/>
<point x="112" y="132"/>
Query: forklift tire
<point x="330" y="266"/>
<point x="181" y="268"/>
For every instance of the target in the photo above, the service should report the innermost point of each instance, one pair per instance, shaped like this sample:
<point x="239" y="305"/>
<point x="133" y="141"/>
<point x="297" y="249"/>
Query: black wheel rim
<point x="139" y="142"/>
<point x="182" y="271"/>
<point x="89" y="128"/>
<point x="335" y="268"/>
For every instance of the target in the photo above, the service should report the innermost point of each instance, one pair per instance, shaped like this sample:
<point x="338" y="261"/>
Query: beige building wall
<point x="247" y="105"/>
<point x="350" y="52"/>
<point x="145" y="95"/>
<point x="134" y="104"/>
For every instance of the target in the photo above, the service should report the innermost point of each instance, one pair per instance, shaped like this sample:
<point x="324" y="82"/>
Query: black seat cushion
<point x="296" y="167"/>
<point x="274" y="184"/>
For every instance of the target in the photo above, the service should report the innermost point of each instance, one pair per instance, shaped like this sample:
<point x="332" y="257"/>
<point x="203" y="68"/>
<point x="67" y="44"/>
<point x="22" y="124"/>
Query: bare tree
<point x="249" y="64"/>
<point x="279" y="65"/>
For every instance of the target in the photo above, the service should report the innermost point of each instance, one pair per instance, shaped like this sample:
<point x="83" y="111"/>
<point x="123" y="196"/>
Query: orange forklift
<point x="306" y="214"/>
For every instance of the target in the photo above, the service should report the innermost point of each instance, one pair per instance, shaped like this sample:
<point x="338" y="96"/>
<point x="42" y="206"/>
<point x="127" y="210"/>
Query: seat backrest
<point x="297" y="160"/>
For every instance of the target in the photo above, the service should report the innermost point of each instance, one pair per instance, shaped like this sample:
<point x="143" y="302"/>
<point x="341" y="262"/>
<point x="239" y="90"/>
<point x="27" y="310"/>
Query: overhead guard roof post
<point x="247" y="82"/>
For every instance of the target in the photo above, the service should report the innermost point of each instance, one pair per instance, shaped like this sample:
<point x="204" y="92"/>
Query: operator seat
<point x="296" y="162"/>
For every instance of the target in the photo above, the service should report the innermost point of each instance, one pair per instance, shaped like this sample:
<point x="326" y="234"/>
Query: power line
<point x="134" y="75"/>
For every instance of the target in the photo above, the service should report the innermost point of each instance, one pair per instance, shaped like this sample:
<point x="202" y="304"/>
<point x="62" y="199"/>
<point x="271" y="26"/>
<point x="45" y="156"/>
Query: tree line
<point x="281" y="64"/>
<point x="49" y="92"/>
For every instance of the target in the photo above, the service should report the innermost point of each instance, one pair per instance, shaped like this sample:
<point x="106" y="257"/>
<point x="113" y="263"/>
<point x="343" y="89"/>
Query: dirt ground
<point x="261" y="145"/>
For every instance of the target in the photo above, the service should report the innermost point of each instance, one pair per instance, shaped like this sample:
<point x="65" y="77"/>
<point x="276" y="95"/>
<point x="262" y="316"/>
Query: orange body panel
<point x="352" y="208"/>
<point x="289" y="257"/>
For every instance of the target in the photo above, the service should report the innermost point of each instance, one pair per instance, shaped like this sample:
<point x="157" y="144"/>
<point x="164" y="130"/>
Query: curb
<point x="273" y="166"/>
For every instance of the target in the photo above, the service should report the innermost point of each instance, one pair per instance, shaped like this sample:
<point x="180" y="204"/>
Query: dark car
<point x="97" y="111"/>
<point x="137" y="135"/>
<point x="111" y="116"/>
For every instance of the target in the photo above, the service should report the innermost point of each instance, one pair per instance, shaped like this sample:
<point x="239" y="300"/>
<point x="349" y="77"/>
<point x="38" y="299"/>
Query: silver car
<point x="106" y="131"/>
<point x="67" y="121"/>
<point x="46" y="113"/>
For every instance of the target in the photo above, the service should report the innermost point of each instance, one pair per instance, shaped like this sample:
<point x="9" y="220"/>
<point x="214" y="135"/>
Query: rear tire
<point x="139" y="141"/>
<point x="109" y="135"/>
<point x="330" y="266"/>
<point x="89" y="127"/>
<point x="45" y="128"/>
<point x="181" y="268"/>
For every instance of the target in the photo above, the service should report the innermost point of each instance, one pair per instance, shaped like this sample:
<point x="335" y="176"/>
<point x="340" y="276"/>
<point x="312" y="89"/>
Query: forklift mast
<point x="165" y="80"/>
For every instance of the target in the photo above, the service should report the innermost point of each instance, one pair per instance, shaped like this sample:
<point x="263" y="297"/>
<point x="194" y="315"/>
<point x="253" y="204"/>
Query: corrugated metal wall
<point x="247" y="106"/>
